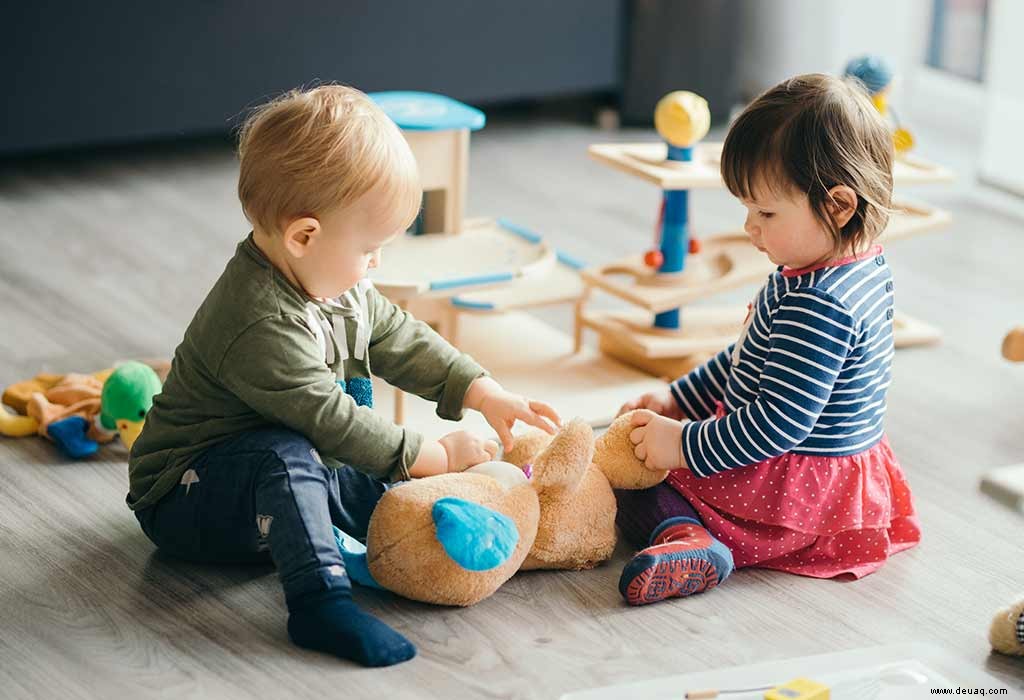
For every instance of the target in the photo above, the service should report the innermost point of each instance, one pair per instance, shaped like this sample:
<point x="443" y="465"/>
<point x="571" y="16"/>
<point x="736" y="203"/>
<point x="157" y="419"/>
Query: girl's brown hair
<point x="809" y="134"/>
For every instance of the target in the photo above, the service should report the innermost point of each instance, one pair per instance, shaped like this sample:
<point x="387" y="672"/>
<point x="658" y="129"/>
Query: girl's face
<point x="783" y="226"/>
<point x="786" y="230"/>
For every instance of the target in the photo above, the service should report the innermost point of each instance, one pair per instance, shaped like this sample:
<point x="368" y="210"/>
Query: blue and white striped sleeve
<point x="810" y="337"/>
<point x="697" y="391"/>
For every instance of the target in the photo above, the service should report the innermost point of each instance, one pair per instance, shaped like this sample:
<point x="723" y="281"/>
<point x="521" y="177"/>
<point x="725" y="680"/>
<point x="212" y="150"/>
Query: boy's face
<point x="348" y="245"/>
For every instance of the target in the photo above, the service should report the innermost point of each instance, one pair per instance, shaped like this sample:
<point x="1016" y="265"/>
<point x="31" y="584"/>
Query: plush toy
<point x="454" y="539"/>
<point x="1013" y="345"/>
<point x="1007" y="631"/>
<point x="81" y="411"/>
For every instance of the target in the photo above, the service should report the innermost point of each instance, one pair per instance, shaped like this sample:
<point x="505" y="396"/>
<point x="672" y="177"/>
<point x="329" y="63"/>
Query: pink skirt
<point x="809" y="515"/>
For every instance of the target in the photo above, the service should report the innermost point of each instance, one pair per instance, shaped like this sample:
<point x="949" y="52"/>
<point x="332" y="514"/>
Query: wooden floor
<point x="106" y="256"/>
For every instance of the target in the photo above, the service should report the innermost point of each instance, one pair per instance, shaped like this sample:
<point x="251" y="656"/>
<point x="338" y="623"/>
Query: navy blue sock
<point x="331" y="622"/>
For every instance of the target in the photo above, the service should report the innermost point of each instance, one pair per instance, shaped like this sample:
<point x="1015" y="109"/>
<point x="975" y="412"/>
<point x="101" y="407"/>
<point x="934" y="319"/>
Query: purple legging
<point x="640" y="512"/>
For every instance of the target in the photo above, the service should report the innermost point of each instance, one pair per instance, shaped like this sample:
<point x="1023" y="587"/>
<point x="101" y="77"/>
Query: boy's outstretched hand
<point x="502" y="409"/>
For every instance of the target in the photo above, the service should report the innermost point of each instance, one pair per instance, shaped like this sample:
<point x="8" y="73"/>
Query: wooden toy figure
<point x="682" y="118"/>
<point x="876" y="76"/>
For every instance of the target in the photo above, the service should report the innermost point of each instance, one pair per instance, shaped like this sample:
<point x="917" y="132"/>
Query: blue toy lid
<point x="427" y="111"/>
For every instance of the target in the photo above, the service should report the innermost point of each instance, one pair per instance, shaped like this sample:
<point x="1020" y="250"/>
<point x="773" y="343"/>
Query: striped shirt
<point x="808" y="375"/>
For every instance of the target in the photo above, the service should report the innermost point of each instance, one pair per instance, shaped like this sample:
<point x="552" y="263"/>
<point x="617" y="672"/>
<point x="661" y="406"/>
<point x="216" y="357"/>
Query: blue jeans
<point x="266" y="495"/>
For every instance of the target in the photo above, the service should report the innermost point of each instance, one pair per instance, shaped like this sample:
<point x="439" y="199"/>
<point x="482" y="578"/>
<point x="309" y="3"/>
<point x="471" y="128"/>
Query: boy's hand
<point x="661" y="402"/>
<point x="502" y="409"/>
<point x="657" y="440"/>
<point x="465" y="450"/>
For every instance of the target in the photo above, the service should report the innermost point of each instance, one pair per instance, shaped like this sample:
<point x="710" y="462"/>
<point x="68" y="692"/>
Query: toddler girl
<point x="777" y="449"/>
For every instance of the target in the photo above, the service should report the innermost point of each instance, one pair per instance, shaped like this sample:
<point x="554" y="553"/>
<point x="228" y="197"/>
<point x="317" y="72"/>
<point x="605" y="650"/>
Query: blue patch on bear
<point x="477" y="538"/>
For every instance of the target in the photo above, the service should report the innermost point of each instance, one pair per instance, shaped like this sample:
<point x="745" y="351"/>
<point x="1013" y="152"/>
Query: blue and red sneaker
<point x="682" y="559"/>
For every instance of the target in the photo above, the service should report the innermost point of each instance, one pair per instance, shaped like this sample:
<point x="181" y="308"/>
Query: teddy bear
<point x="1006" y="633"/>
<point x="454" y="539"/>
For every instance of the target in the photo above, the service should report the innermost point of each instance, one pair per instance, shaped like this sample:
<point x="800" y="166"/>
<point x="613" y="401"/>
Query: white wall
<point x="782" y="38"/>
<point x="1002" y="153"/>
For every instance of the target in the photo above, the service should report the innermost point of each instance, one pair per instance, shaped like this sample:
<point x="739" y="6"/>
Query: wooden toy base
<point x="664" y="368"/>
<point x="705" y="330"/>
<point x="630" y="338"/>
<point x="1006" y="485"/>
<point x="725" y="262"/>
<point x="910" y="218"/>
<point x="559" y="285"/>
<point x="909" y="332"/>
<point x="484" y="254"/>
<point x="530" y="357"/>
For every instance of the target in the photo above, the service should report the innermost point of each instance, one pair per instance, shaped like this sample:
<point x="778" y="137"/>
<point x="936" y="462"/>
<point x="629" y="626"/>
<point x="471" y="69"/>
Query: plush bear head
<point x="1004" y="632"/>
<point x="454" y="539"/>
<point x="574" y="477"/>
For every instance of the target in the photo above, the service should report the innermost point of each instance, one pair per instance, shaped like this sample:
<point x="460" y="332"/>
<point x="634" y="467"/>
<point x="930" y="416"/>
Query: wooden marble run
<point x="460" y="271"/>
<point x="663" y="282"/>
<point x="452" y="268"/>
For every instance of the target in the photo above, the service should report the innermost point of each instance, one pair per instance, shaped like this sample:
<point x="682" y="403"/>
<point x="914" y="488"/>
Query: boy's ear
<point x="299" y="235"/>
<point x="841" y="204"/>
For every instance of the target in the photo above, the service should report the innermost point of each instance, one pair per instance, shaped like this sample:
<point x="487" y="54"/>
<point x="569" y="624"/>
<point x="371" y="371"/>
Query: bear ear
<point x="527" y="447"/>
<point x="613" y="455"/>
<point x="562" y="464"/>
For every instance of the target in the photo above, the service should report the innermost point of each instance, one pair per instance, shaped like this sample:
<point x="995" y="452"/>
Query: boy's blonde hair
<point x="309" y="152"/>
<point x="809" y="134"/>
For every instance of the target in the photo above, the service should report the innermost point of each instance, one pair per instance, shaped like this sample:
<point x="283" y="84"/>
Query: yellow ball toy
<point x="682" y="118"/>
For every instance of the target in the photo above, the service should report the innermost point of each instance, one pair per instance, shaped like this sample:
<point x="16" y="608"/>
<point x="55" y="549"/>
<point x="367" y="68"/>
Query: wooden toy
<point x="683" y="269"/>
<point x="1013" y="345"/>
<point x="437" y="129"/>
<point x="489" y="270"/>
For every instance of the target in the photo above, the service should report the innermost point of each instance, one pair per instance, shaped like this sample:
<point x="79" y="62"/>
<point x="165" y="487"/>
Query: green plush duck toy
<point x="126" y="399"/>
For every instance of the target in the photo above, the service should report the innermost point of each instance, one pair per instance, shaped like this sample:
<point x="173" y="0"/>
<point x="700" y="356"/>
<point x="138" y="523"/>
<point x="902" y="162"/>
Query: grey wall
<point x="114" y="71"/>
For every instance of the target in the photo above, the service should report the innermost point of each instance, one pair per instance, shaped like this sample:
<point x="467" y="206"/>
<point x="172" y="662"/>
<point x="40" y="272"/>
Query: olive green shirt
<point x="260" y="353"/>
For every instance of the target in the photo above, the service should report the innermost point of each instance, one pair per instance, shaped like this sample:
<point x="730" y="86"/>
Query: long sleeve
<point x="697" y="391"/>
<point x="408" y="354"/>
<point x="810" y="336"/>
<point x="273" y="366"/>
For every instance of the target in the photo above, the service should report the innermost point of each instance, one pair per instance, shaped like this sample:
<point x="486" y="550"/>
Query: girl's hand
<point x="502" y="409"/>
<point x="657" y="441"/>
<point x="661" y="402"/>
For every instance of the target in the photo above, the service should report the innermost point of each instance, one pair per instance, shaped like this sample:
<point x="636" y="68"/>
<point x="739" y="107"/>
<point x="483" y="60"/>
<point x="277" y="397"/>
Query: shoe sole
<point x="671" y="578"/>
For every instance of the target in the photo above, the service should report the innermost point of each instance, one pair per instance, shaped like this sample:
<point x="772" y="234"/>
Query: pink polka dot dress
<point x="787" y="460"/>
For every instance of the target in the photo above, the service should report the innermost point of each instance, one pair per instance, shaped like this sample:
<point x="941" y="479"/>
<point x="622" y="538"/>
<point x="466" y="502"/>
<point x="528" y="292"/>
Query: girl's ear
<point x="841" y="204"/>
